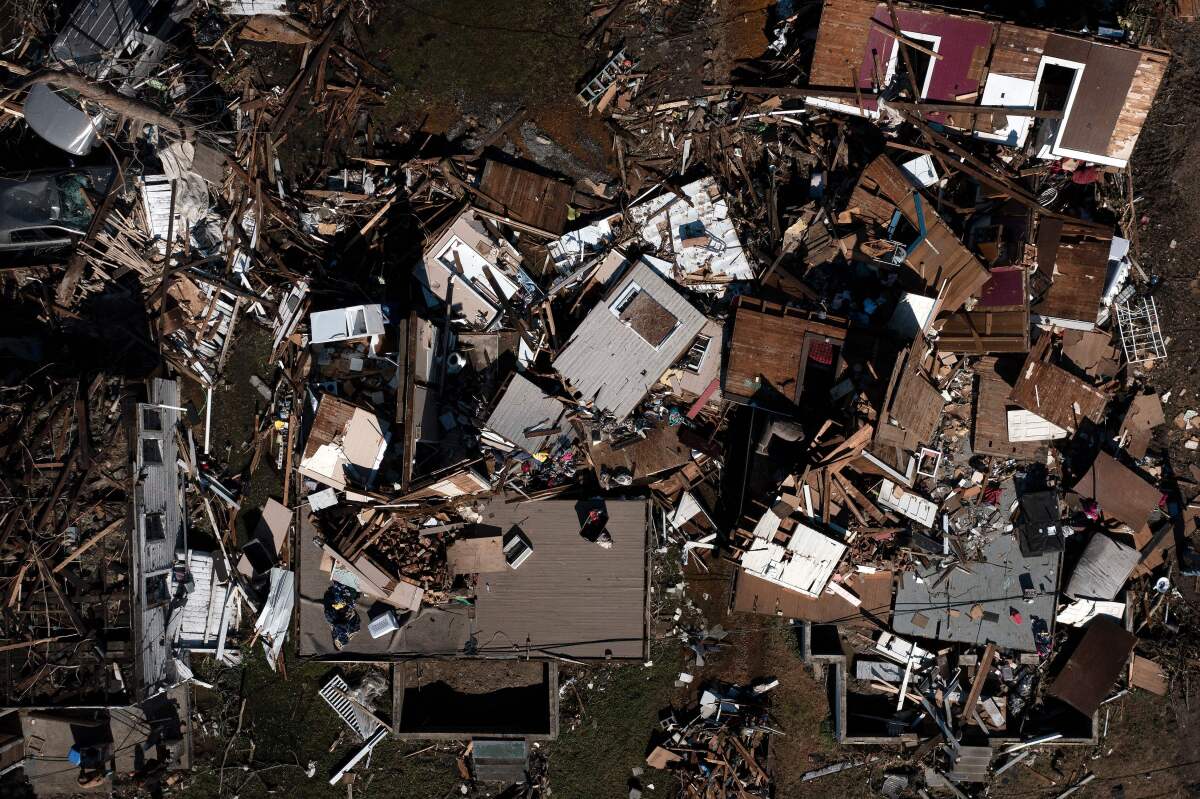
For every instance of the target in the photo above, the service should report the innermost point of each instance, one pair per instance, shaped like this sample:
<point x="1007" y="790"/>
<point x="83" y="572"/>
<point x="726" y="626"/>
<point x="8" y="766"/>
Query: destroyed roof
<point x="97" y="32"/>
<point x="1095" y="664"/>
<point x="1055" y="394"/>
<point x="999" y="322"/>
<point x="525" y="197"/>
<point x="912" y="406"/>
<point x="1102" y="570"/>
<point x="771" y="347"/>
<point x="940" y="258"/>
<point x="1119" y="491"/>
<point x="802" y="562"/>
<point x="983" y="62"/>
<point x="694" y="225"/>
<point x="990" y="435"/>
<point x="1075" y="257"/>
<point x="627" y="341"/>
<point x="469" y="256"/>
<point x="571" y="597"/>
<point x="528" y="416"/>
<point x="158" y="527"/>
<point x="874" y="591"/>
<point x="973" y="603"/>
<point x="345" y="441"/>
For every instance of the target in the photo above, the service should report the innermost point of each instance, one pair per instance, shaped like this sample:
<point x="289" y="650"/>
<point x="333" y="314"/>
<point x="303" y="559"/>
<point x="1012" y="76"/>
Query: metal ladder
<point x="1141" y="333"/>
<point x="596" y="87"/>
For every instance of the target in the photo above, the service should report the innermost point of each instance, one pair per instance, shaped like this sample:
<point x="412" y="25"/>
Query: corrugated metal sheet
<point x="804" y="565"/>
<point x="250" y="8"/>
<point x="157" y="492"/>
<point x="197" y="625"/>
<point x="571" y="597"/>
<point x="612" y="366"/>
<point x="1102" y="569"/>
<point x="525" y="406"/>
<point x="97" y="30"/>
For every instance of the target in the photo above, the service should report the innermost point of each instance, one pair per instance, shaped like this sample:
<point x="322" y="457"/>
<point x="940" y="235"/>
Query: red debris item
<point x="991" y="496"/>
<point x="1085" y="175"/>
<point x="1015" y="615"/>
<point x="821" y="352"/>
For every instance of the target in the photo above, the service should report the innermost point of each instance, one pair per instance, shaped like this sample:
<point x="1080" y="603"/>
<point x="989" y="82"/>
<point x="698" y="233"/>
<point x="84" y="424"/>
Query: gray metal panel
<point x="59" y="122"/>
<point x="524" y="405"/>
<point x="157" y="491"/>
<point x="97" y="30"/>
<point x="610" y="364"/>
<point x="882" y="670"/>
<point x="1102" y="569"/>
<point x="995" y="583"/>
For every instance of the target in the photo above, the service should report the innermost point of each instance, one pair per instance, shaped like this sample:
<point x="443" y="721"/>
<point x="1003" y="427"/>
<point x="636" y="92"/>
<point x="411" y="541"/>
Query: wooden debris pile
<point x="67" y="594"/>
<point x="722" y="750"/>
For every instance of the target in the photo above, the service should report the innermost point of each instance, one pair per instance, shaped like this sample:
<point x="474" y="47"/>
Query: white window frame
<point x="934" y="43"/>
<point x="1055" y="150"/>
<point x="625" y="295"/>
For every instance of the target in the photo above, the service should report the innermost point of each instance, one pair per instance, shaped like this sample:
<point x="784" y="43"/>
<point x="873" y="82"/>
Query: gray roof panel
<point x="609" y="363"/>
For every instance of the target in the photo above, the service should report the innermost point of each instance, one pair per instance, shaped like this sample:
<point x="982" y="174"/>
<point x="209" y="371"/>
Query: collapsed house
<point x="898" y="380"/>
<point x="1086" y="98"/>
<point x="626" y="343"/>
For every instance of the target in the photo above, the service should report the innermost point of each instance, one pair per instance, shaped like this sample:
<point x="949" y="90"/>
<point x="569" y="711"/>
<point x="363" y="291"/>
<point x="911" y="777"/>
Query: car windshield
<point x="75" y="208"/>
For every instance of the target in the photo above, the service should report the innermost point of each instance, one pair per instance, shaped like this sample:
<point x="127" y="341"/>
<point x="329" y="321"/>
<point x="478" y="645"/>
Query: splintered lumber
<point x="902" y="39"/>
<point x="35" y="642"/>
<point x="849" y="448"/>
<point x="985" y="666"/>
<point x="52" y="581"/>
<point x="859" y="498"/>
<point x="86" y="545"/>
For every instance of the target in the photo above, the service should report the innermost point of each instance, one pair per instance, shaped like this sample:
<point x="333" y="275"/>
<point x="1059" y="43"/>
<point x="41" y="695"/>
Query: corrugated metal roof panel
<point x="612" y="366"/>
<point x="525" y="406"/>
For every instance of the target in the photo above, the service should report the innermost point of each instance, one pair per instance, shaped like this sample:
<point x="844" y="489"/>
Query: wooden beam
<point x="72" y="612"/>
<point x="902" y="39"/>
<point x="35" y="642"/>
<point x="86" y="545"/>
<point x="975" y="110"/>
<point x="908" y="67"/>
<point x="985" y="666"/>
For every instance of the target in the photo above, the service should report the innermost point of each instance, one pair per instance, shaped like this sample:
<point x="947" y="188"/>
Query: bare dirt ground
<point x="1166" y="179"/>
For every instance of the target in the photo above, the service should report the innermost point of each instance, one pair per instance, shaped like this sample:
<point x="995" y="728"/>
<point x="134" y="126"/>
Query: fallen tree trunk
<point x="118" y="103"/>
